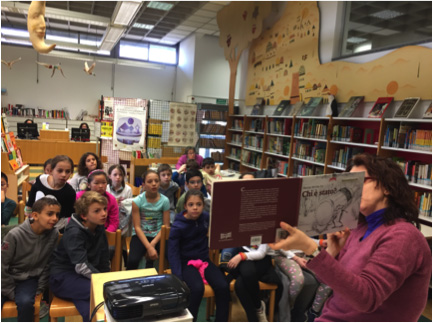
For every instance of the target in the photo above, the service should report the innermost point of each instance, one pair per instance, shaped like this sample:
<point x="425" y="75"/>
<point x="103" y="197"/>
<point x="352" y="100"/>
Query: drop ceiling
<point x="150" y="24"/>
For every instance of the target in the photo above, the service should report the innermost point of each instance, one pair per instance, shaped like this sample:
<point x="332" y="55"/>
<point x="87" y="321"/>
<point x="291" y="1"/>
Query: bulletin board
<point x="284" y="63"/>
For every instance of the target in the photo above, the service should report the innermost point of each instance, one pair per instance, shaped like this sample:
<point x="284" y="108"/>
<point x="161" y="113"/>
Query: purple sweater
<point x="184" y="158"/>
<point x="385" y="277"/>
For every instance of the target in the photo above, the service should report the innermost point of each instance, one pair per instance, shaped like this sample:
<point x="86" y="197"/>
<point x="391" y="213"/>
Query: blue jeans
<point x="25" y="293"/>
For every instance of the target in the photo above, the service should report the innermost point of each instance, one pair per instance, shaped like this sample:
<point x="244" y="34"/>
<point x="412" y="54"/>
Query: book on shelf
<point x="368" y="136"/>
<point x="310" y="107"/>
<point x="316" y="205"/>
<point x="259" y="107"/>
<point x="284" y="104"/>
<point x="350" y="107"/>
<point x="427" y="113"/>
<point x="295" y="109"/>
<point x="380" y="107"/>
<point x="406" y="107"/>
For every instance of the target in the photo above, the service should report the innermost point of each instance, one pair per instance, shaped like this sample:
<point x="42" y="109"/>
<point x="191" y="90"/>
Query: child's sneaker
<point x="261" y="313"/>
<point x="44" y="309"/>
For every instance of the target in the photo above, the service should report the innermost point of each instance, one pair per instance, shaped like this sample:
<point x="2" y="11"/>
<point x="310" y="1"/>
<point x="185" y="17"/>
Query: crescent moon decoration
<point x="36" y="27"/>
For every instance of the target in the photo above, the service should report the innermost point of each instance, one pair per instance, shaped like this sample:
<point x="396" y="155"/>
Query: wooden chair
<point x="26" y="187"/>
<point x="135" y="189"/>
<point x="9" y="309"/>
<point x="163" y="265"/>
<point x="60" y="307"/>
<point x="20" y="211"/>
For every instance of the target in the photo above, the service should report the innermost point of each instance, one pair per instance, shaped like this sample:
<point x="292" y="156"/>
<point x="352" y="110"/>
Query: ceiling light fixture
<point x="160" y="5"/>
<point x="124" y="12"/>
<point x="142" y="26"/>
<point x="386" y="14"/>
<point x="356" y="40"/>
<point x="111" y="37"/>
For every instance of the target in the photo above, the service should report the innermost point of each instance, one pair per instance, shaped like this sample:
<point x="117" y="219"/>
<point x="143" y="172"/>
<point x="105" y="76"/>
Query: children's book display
<point x="259" y="107"/>
<point x="315" y="204"/>
<point x="294" y="109"/>
<point x="282" y="107"/>
<point x="380" y="107"/>
<point x="311" y="106"/>
<point x="351" y="106"/>
<point x="406" y="107"/>
<point x="427" y="113"/>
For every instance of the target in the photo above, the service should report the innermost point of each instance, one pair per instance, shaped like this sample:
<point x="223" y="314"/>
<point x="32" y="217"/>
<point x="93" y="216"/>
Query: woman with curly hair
<point x="381" y="270"/>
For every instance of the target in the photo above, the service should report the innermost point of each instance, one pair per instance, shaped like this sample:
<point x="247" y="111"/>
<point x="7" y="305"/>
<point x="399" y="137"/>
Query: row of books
<point x="310" y="151"/>
<point x="348" y="133"/>
<point x="213" y="129"/>
<point x="306" y="170"/>
<point x="416" y="171"/>
<point x="153" y="142"/>
<point x="154" y="129"/>
<point x="10" y="147"/>
<point x="217" y="156"/>
<point x="343" y="155"/>
<point x="276" y="126"/>
<point x="311" y="128"/>
<point x="138" y="154"/>
<point x="237" y="138"/>
<point x="235" y="152"/>
<point x="212" y="143"/>
<point x="423" y="202"/>
<point x="238" y="124"/>
<point x="279" y="145"/>
<point x="251" y="158"/>
<point x="253" y="142"/>
<point x="257" y="125"/>
<point x="215" y="115"/>
<point x="234" y="165"/>
<point x="407" y="137"/>
<point x="37" y="113"/>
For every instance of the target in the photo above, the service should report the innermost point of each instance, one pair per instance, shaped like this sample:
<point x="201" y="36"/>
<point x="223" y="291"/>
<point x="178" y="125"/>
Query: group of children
<point x="83" y="249"/>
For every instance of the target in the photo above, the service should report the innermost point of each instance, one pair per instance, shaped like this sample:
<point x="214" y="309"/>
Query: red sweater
<point x="382" y="278"/>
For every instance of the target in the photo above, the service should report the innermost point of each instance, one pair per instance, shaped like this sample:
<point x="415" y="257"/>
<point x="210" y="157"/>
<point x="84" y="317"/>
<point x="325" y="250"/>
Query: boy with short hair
<point x="194" y="181"/>
<point x="26" y="251"/>
<point x="8" y="205"/>
<point x="179" y="176"/>
<point x="210" y="173"/>
<point x="168" y="187"/>
<point x="81" y="252"/>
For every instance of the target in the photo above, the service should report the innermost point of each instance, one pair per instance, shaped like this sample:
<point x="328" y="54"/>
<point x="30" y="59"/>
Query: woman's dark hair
<point x="61" y="158"/>
<point x="193" y="193"/>
<point x="120" y="169"/>
<point x="31" y="121"/>
<point x="82" y="124"/>
<point x="82" y="169"/>
<point x="95" y="173"/>
<point x="188" y="149"/>
<point x="244" y="174"/>
<point x="390" y="177"/>
<point x="150" y="171"/>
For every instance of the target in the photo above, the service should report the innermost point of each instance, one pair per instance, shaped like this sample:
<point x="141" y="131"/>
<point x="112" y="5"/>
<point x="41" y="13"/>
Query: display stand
<point x="15" y="178"/>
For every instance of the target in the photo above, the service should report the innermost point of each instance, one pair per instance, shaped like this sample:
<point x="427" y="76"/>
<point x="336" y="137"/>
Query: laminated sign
<point x="182" y="124"/>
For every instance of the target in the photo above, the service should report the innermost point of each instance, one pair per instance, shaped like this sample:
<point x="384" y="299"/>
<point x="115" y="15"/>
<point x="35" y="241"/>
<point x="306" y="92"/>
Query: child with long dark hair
<point x="88" y="162"/>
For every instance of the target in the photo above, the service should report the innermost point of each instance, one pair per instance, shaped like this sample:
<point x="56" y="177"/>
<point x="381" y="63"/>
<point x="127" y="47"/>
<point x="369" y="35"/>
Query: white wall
<point x="33" y="86"/>
<point x="185" y="70"/>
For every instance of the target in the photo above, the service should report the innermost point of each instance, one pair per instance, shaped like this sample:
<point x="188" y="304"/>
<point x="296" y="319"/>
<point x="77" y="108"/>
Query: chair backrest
<point x="135" y="189"/>
<point x="178" y="193"/>
<point x="163" y="262"/>
<point x="26" y="187"/>
<point x="20" y="211"/>
<point x="115" y="239"/>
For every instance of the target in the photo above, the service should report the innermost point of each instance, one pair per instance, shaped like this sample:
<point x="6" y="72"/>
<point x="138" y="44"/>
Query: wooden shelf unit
<point x="15" y="178"/>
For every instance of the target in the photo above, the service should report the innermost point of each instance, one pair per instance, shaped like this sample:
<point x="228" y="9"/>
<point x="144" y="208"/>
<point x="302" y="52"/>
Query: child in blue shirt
<point x="8" y="205"/>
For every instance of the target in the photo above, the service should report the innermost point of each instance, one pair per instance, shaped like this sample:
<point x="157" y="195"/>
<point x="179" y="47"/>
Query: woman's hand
<point x="152" y="254"/>
<point x="296" y="240"/>
<point x="234" y="262"/>
<point x="336" y="241"/>
<point x="300" y="261"/>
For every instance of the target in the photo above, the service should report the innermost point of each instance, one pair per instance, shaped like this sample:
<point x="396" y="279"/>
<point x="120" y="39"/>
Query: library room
<point x="194" y="161"/>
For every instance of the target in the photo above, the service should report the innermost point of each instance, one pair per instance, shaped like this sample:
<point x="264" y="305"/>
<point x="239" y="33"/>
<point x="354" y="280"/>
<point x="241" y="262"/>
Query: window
<point x="134" y="50"/>
<point x="378" y="25"/>
<point x="163" y="54"/>
<point x="148" y="52"/>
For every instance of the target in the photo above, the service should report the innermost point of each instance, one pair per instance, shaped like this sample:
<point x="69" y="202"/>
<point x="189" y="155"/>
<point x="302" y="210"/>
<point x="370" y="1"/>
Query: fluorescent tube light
<point x="142" y="26"/>
<point x="111" y="37"/>
<point x="124" y="12"/>
<point x="386" y="14"/>
<point x="160" y="5"/>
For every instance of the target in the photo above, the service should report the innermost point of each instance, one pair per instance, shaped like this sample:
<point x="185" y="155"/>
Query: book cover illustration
<point x="284" y="104"/>
<point x="330" y="202"/>
<point x="427" y="113"/>
<point x="351" y="106"/>
<point x="259" y="107"/>
<point x="406" y="107"/>
<point x="309" y="108"/>
<point x="380" y="107"/>
<point x="295" y="109"/>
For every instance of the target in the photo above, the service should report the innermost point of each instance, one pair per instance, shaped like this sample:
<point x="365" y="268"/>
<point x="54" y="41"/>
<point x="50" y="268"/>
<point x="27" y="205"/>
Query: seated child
<point x="82" y="251"/>
<point x="8" y="205"/>
<point x="168" y="187"/>
<point x="179" y="176"/>
<point x="88" y="162"/>
<point x="26" y="251"/>
<point x="188" y="241"/>
<point x="47" y="169"/>
<point x="194" y="181"/>
<point x="116" y="183"/>
<point x="210" y="173"/>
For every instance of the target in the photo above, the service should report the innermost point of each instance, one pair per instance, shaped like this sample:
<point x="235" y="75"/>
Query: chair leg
<point x="272" y="305"/>
<point x="53" y="319"/>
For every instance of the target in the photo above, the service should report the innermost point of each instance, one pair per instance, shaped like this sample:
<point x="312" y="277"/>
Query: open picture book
<point x="249" y="212"/>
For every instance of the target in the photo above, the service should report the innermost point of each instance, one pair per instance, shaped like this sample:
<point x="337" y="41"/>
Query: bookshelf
<point x="212" y="121"/>
<point x="312" y="145"/>
<point x="15" y="178"/>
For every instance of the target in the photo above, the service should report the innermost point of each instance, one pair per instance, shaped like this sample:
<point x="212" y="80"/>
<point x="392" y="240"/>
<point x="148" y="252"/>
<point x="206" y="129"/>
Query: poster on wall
<point x="182" y="124"/>
<point x="129" y="128"/>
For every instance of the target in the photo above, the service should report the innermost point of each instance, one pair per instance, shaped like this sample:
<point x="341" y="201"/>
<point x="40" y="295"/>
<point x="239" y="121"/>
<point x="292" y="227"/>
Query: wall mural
<point x="284" y="64"/>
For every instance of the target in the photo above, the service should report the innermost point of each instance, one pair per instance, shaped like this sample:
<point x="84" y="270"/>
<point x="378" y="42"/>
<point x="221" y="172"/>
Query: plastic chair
<point x="163" y="265"/>
<point x="60" y="307"/>
<point x="9" y="309"/>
